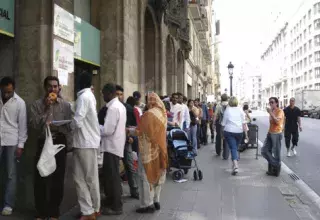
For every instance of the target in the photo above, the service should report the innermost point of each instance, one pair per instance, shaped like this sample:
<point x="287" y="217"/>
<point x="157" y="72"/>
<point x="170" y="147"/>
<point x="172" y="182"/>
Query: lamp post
<point x="230" y="69"/>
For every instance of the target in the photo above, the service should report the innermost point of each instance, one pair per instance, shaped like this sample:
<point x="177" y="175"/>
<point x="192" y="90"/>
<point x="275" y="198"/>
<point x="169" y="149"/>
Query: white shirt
<point x="113" y="132"/>
<point x="176" y="109"/>
<point x="13" y="122"/>
<point x="85" y="121"/>
<point x="186" y="116"/>
<point x="233" y="120"/>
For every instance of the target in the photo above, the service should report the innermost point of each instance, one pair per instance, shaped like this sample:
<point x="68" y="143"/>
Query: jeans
<point x="198" y="135"/>
<point x="11" y="167"/>
<point x="193" y="137"/>
<point x="204" y="128"/>
<point x="295" y="137"/>
<point x="211" y="130"/>
<point x="131" y="173"/>
<point x="271" y="149"/>
<point x="233" y="140"/>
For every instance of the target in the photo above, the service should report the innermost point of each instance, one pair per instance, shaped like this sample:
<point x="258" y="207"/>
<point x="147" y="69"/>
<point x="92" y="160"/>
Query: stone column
<point x="35" y="63"/>
<point x="112" y="51"/>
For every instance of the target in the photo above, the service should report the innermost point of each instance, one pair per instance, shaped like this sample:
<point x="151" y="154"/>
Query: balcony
<point x="204" y="18"/>
<point x="194" y="6"/>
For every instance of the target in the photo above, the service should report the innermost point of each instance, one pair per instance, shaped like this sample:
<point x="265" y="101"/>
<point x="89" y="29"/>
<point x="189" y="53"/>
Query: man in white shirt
<point x="13" y="135"/>
<point x="185" y="114"/>
<point x="177" y="110"/>
<point x="113" y="135"/>
<point x="86" y="140"/>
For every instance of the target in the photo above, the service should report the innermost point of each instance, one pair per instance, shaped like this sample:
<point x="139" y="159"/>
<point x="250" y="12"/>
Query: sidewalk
<point x="250" y="195"/>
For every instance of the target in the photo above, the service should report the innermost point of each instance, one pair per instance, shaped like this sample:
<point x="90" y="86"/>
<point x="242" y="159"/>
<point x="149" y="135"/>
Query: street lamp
<point x="230" y="69"/>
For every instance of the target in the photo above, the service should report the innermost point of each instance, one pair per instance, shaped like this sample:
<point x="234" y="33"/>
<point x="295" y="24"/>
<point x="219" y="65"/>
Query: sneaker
<point x="289" y="153"/>
<point x="6" y="211"/>
<point x="294" y="151"/>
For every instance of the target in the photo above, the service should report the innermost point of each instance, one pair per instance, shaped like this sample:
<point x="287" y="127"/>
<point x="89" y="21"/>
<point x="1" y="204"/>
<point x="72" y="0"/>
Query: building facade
<point x="143" y="45"/>
<point x="248" y="87"/>
<point x="198" y="66"/>
<point x="292" y="61"/>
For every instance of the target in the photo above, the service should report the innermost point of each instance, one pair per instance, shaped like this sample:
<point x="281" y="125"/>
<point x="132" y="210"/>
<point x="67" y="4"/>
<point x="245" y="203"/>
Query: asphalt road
<point x="307" y="163"/>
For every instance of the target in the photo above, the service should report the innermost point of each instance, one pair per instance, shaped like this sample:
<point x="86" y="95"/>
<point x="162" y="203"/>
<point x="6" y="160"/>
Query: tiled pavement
<point x="251" y="195"/>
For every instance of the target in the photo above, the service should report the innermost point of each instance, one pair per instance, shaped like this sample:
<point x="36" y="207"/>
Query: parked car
<point x="315" y="113"/>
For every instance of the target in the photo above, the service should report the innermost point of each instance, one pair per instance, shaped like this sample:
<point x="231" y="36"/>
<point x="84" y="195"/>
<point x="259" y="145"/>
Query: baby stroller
<point x="181" y="154"/>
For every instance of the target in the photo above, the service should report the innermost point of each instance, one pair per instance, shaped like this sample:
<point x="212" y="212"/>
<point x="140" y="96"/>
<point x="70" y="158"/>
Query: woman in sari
<point x="153" y="154"/>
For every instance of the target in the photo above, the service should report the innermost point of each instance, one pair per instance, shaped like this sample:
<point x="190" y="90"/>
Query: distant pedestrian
<point x="86" y="142"/>
<point x="185" y="114"/>
<point x="197" y="105"/>
<point x="140" y="104"/>
<point x="13" y="123"/>
<point x="153" y="158"/>
<point x="204" y="124"/>
<point x="292" y="127"/>
<point x="234" y="125"/>
<point x="177" y="110"/>
<point x="211" y="124"/>
<point x="218" y="117"/>
<point x="271" y="149"/>
<point x="193" y="126"/>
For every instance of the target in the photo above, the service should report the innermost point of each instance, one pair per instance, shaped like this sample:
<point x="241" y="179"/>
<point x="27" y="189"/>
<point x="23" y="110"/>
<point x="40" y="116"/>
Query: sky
<point x="246" y="28"/>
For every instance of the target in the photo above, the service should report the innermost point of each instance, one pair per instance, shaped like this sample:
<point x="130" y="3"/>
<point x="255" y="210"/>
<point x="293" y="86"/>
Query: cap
<point x="136" y="95"/>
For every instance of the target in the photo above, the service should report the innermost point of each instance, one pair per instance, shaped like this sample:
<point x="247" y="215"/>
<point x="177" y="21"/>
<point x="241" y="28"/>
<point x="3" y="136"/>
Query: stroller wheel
<point x="200" y="175"/>
<point x="185" y="171"/>
<point x="195" y="175"/>
<point x="177" y="175"/>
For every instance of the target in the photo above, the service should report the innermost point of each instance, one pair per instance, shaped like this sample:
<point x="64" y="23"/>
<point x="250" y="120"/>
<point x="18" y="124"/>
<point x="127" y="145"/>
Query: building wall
<point x="133" y="54"/>
<point x="296" y="57"/>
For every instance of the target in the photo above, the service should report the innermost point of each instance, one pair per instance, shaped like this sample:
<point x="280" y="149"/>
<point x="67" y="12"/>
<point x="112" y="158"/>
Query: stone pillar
<point x="35" y="63"/>
<point x="112" y="46"/>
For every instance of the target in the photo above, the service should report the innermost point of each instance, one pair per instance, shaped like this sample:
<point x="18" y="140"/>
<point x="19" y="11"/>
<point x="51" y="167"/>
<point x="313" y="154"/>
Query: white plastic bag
<point x="47" y="162"/>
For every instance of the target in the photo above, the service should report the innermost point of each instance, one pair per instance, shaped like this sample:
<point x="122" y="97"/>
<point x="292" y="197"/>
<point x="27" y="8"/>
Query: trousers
<point x="130" y="170"/>
<point x="86" y="178"/>
<point x="149" y="194"/>
<point x="112" y="183"/>
<point x="48" y="191"/>
<point x="271" y="149"/>
<point x="8" y="153"/>
<point x="291" y="136"/>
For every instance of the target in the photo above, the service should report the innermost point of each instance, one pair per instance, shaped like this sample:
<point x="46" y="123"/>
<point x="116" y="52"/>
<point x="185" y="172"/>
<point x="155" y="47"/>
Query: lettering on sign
<point x="4" y="14"/>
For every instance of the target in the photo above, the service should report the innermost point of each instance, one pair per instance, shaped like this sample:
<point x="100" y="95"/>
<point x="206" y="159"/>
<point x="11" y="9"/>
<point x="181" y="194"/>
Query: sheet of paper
<point x="59" y="123"/>
<point x="181" y="181"/>
<point x="63" y="77"/>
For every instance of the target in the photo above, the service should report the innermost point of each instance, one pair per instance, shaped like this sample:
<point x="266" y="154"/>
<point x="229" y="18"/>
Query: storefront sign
<point x="63" y="24"/>
<point x="63" y="56"/>
<point x="86" y="42"/>
<point x="7" y="17"/>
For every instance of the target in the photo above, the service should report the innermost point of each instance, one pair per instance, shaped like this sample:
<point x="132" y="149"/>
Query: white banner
<point x="63" y="24"/>
<point x="63" y="56"/>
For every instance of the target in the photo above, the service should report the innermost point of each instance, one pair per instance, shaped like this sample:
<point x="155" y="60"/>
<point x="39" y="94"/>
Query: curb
<point x="310" y="193"/>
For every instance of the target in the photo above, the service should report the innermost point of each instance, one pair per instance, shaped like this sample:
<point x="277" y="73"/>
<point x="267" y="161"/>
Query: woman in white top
<point x="234" y="125"/>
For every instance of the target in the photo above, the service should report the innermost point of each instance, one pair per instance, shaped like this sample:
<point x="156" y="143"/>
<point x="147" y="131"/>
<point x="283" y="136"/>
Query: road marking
<point x="310" y="193"/>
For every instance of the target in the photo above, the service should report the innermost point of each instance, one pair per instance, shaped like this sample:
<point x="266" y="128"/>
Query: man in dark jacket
<point x="128" y="161"/>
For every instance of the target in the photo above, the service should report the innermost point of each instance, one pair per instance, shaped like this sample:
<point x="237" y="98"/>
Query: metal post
<point x="231" y="85"/>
